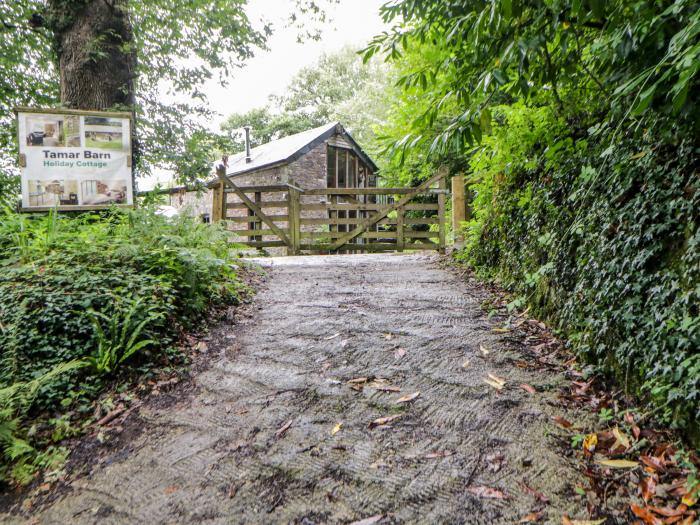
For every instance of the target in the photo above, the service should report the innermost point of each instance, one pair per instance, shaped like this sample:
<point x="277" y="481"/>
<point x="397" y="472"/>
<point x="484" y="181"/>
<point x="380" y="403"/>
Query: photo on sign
<point x="53" y="131"/>
<point x="57" y="192"/>
<point x="104" y="133"/>
<point x="101" y="192"/>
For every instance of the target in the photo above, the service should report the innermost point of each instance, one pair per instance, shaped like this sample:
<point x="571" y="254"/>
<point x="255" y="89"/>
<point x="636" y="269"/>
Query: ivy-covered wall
<point x="596" y="229"/>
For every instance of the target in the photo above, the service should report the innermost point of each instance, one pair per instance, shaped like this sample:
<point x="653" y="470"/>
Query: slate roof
<point x="288" y="149"/>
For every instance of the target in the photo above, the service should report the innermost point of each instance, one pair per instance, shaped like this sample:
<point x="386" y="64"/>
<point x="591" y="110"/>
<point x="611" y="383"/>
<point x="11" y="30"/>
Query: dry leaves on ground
<point x="283" y="429"/>
<point x="408" y="398"/>
<point x="487" y="492"/>
<point x="382" y="421"/>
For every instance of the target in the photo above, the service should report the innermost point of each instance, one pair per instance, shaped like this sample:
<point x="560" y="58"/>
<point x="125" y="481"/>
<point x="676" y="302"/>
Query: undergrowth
<point x="109" y="293"/>
<point x="596" y="229"/>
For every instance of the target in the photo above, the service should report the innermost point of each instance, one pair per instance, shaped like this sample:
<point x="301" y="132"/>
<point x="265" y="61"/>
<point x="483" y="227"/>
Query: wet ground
<point x="279" y="426"/>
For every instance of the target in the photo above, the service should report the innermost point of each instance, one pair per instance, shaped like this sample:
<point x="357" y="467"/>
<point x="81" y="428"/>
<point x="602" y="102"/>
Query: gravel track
<point x="254" y="443"/>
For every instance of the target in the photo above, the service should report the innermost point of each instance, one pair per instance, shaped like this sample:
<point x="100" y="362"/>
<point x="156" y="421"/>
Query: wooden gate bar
<point x="221" y="172"/>
<point x="381" y="214"/>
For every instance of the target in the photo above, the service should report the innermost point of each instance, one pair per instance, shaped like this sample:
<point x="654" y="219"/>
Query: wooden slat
<point x="261" y="244"/>
<point x="388" y="221"/>
<point x="367" y="191"/>
<point x="371" y="247"/>
<point x="338" y="235"/>
<point x="318" y="206"/>
<point x="262" y="204"/>
<point x="383" y="213"/>
<point x="252" y="218"/>
<point x="221" y="172"/>
<point x="422" y="246"/>
<point x="420" y="235"/>
<point x="253" y="233"/>
<point x="262" y="189"/>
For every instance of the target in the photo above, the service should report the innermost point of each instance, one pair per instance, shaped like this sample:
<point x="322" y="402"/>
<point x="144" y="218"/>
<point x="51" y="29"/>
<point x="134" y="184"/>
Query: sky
<point x="351" y="22"/>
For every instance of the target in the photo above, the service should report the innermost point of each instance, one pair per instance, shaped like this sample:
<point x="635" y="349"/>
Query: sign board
<point x="74" y="160"/>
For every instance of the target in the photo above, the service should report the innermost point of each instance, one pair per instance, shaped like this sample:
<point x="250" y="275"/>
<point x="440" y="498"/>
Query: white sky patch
<point x="352" y="22"/>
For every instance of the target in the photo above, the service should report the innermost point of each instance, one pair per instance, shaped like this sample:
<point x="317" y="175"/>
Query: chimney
<point x="247" y="144"/>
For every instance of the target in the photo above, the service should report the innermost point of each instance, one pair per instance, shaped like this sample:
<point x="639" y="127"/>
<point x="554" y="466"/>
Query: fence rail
<point x="327" y="220"/>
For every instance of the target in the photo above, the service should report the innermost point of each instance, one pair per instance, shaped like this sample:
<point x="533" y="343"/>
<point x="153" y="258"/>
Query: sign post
<point x="74" y="160"/>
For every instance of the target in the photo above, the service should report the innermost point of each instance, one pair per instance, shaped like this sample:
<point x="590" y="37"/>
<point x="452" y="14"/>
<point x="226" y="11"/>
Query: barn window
<point x="330" y="169"/>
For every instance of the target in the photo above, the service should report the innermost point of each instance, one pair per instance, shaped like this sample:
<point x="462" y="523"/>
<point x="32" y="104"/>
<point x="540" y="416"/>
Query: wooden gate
<point x="332" y="220"/>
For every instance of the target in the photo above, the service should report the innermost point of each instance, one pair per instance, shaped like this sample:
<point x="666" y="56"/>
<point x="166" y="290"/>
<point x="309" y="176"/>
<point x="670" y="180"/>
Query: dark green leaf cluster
<point x="56" y="269"/>
<point x="599" y="234"/>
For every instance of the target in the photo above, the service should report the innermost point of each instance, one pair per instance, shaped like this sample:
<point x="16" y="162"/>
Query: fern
<point x="120" y="336"/>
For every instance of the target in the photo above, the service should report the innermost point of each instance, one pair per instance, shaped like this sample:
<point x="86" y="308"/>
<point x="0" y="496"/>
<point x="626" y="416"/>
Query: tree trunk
<point x="96" y="54"/>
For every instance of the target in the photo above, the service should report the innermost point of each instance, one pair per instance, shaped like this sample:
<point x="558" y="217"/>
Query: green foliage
<point x="602" y="238"/>
<point x="576" y="124"/>
<point x="111" y="292"/>
<point x="179" y="46"/>
<point x="18" y="458"/>
<point x="122" y="337"/>
<point x="629" y="57"/>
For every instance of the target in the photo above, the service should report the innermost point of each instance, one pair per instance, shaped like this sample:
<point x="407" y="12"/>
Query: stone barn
<point x="319" y="158"/>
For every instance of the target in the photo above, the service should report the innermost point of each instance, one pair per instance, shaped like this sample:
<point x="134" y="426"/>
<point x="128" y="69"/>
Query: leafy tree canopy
<point x="178" y="46"/>
<point x="619" y="58"/>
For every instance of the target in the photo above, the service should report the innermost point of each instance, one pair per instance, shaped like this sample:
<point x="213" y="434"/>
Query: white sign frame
<point x="72" y="160"/>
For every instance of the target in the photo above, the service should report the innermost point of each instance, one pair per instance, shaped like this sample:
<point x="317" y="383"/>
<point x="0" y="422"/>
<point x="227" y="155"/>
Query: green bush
<point x="100" y="287"/>
<point x="597" y="230"/>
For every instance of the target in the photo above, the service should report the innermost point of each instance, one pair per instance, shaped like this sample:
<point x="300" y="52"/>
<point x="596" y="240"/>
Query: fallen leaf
<point x="528" y="388"/>
<point x="646" y="516"/>
<point x="487" y="492"/>
<point x="331" y="337"/>
<point x="538" y="495"/>
<point x="563" y="422"/>
<point x="532" y="518"/>
<point x="636" y="432"/>
<point x="281" y="431"/>
<point x="590" y="442"/>
<point x="388" y="336"/>
<point x="620" y="438"/>
<point x="691" y="497"/>
<point x="369" y="521"/>
<point x="501" y="330"/>
<point x="484" y="350"/>
<point x="648" y="488"/>
<point x="171" y="489"/>
<point x="496" y="382"/>
<point x="399" y="353"/>
<point x="568" y="521"/>
<point x="466" y="363"/>
<point x="629" y="418"/>
<point x="653" y="462"/>
<point x="358" y="380"/>
<point x="408" y="398"/>
<point x="384" y="420"/>
<point x="670" y="513"/>
<point x="618" y="463"/>
<point x="336" y="429"/>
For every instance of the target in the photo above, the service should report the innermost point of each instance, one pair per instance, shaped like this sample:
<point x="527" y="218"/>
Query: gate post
<point x="459" y="209"/>
<point x="400" y="241"/>
<point x="442" y="185"/>
<point x="218" y="203"/>
<point x="294" y="220"/>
